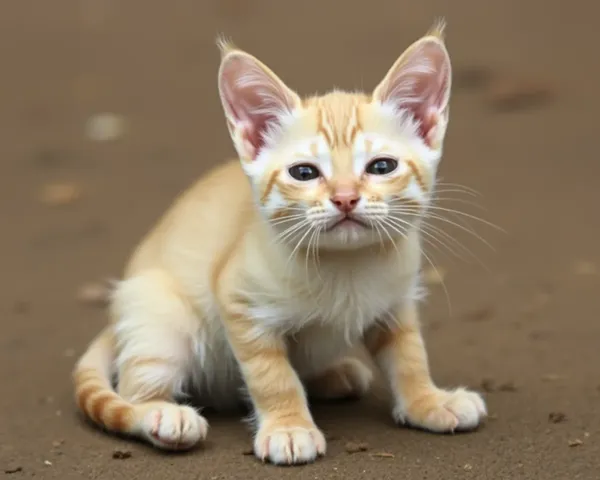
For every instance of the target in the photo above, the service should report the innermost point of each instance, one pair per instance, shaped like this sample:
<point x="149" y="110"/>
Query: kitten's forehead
<point x="338" y="117"/>
<point x="345" y="133"/>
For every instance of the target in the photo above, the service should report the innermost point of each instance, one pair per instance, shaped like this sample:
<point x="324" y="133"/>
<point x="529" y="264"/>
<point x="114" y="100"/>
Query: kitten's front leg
<point x="400" y="352"/>
<point x="286" y="433"/>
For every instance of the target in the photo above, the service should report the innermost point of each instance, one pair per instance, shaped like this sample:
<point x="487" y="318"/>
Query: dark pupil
<point x="381" y="167"/>
<point x="304" y="172"/>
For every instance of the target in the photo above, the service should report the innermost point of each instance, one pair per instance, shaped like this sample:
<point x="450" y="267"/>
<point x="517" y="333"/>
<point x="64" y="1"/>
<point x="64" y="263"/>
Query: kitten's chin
<point x="348" y="237"/>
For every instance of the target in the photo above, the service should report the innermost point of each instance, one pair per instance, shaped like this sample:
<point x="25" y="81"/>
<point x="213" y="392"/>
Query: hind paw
<point x="349" y="378"/>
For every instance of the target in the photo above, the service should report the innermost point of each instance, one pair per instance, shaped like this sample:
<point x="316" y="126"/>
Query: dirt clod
<point x="488" y="385"/>
<point x="12" y="470"/>
<point x="507" y="387"/>
<point x="467" y="467"/>
<point x="479" y="314"/>
<point x="248" y="451"/>
<point x="556" y="417"/>
<point x="513" y="94"/>
<point x="471" y="77"/>
<point x="576" y="442"/>
<point x="121" y="454"/>
<point x="353" y="447"/>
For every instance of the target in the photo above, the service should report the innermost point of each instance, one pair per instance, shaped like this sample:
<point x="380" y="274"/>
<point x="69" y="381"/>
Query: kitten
<point x="268" y="271"/>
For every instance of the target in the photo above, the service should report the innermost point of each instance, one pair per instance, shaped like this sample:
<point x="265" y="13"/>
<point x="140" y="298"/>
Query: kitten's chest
<point x="346" y="301"/>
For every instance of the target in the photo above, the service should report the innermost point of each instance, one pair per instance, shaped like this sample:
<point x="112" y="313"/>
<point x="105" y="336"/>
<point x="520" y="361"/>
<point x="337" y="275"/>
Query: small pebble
<point x="105" y="127"/>
<point x="352" y="447"/>
<point x="383" y="455"/>
<point x="585" y="268"/>
<point x="467" y="467"/>
<point x="575" y="442"/>
<point x="69" y="352"/>
<point x="97" y="294"/>
<point x="59" y="194"/>
<point x="556" y="417"/>
<point x="121" y="454"/>
<point x="48" y="463"/>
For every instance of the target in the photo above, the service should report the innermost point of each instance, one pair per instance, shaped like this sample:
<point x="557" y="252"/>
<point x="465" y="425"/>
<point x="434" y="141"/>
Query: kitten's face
<point x="341" y="171"/>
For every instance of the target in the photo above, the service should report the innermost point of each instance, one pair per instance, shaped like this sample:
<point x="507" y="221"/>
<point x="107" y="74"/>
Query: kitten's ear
<point x="254" y="99"/>
<point x="419" y="84"/>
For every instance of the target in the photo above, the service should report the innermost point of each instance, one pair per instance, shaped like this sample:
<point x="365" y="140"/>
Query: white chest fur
<point x="345" y="295"/>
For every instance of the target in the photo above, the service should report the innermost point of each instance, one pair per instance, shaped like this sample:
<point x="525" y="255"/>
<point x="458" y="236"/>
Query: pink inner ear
<point x="254" y="98"/>
<point x="421" y="85"/>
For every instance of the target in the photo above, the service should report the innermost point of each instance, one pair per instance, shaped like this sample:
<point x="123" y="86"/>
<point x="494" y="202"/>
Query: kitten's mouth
<point x="347" y="222"/>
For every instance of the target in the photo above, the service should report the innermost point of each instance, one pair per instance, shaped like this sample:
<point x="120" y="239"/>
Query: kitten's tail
<point x="94" y="393"/>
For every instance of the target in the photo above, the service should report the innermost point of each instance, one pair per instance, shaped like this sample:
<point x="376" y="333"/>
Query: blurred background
<point x="108" y="109"/>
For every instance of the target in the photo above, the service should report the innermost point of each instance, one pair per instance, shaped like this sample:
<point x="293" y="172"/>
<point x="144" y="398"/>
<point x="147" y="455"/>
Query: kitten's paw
<point x="289" y="445"/>
<point x="443" y="411"/>
<point x="174" y="427"/>
<point x="349" y="378"/>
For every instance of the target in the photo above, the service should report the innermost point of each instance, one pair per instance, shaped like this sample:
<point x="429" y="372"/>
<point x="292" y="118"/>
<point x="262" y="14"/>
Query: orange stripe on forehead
<point x="321" y="126"/>
<point x="354" y="126"/>
<point x="339" y="120"/>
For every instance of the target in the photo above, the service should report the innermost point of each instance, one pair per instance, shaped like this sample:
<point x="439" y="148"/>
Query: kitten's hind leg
<point x="155" y="343"/>
<point x="349" y="377"/>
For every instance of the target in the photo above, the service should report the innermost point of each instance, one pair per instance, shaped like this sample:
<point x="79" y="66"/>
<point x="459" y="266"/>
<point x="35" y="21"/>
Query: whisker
<point x="457" y="200"/>
<point x="396" y="229"/>
<point x="429" y="238"/>
<point x="450" y="238"/>
<point x="467" y="215"/>
<point x="458" y="185"/>
<point x="290" y="258"/>
<point x="445" y="220"/>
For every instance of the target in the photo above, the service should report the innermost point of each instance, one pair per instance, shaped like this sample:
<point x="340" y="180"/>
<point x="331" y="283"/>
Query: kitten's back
<point x="200" y="225"/>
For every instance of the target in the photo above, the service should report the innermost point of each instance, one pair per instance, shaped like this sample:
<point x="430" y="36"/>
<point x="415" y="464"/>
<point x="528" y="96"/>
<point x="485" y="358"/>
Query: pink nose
<point x="345" y="202"/>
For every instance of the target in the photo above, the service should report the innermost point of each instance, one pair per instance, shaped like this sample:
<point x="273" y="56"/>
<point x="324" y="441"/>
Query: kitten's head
<point x="349" y="169"/>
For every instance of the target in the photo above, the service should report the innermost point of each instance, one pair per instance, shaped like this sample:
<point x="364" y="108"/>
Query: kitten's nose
<point x="346" y="201"/>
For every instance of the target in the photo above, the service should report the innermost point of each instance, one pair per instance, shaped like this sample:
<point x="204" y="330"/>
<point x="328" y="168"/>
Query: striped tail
<point x="94" y="393"/>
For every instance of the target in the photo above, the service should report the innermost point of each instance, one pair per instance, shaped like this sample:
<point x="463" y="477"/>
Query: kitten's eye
<point x="304" y="172"/>
<point x="382" y="166"/>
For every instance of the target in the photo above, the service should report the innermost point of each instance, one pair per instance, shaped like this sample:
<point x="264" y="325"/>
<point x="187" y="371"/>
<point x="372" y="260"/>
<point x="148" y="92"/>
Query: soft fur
<point x="250" y="283"/>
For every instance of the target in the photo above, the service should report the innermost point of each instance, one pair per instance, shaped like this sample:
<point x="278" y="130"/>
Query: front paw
<point x="443" y="411"/>
<point x="289" y="442"/>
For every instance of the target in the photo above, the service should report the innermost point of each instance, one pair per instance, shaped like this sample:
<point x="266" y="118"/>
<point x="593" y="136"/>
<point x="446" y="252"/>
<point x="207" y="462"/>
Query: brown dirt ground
<point x="530" y="321"/>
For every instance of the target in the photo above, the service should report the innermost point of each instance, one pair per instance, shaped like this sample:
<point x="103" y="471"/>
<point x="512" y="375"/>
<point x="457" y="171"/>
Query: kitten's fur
<point x="247" y="282"/>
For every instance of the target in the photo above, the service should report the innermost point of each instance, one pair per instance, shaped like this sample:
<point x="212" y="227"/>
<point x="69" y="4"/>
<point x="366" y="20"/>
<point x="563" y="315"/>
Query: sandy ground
<point x="525" y="328"/>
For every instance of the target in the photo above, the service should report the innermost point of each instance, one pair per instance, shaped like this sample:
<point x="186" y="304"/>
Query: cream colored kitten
<point x="270" y="269"/>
